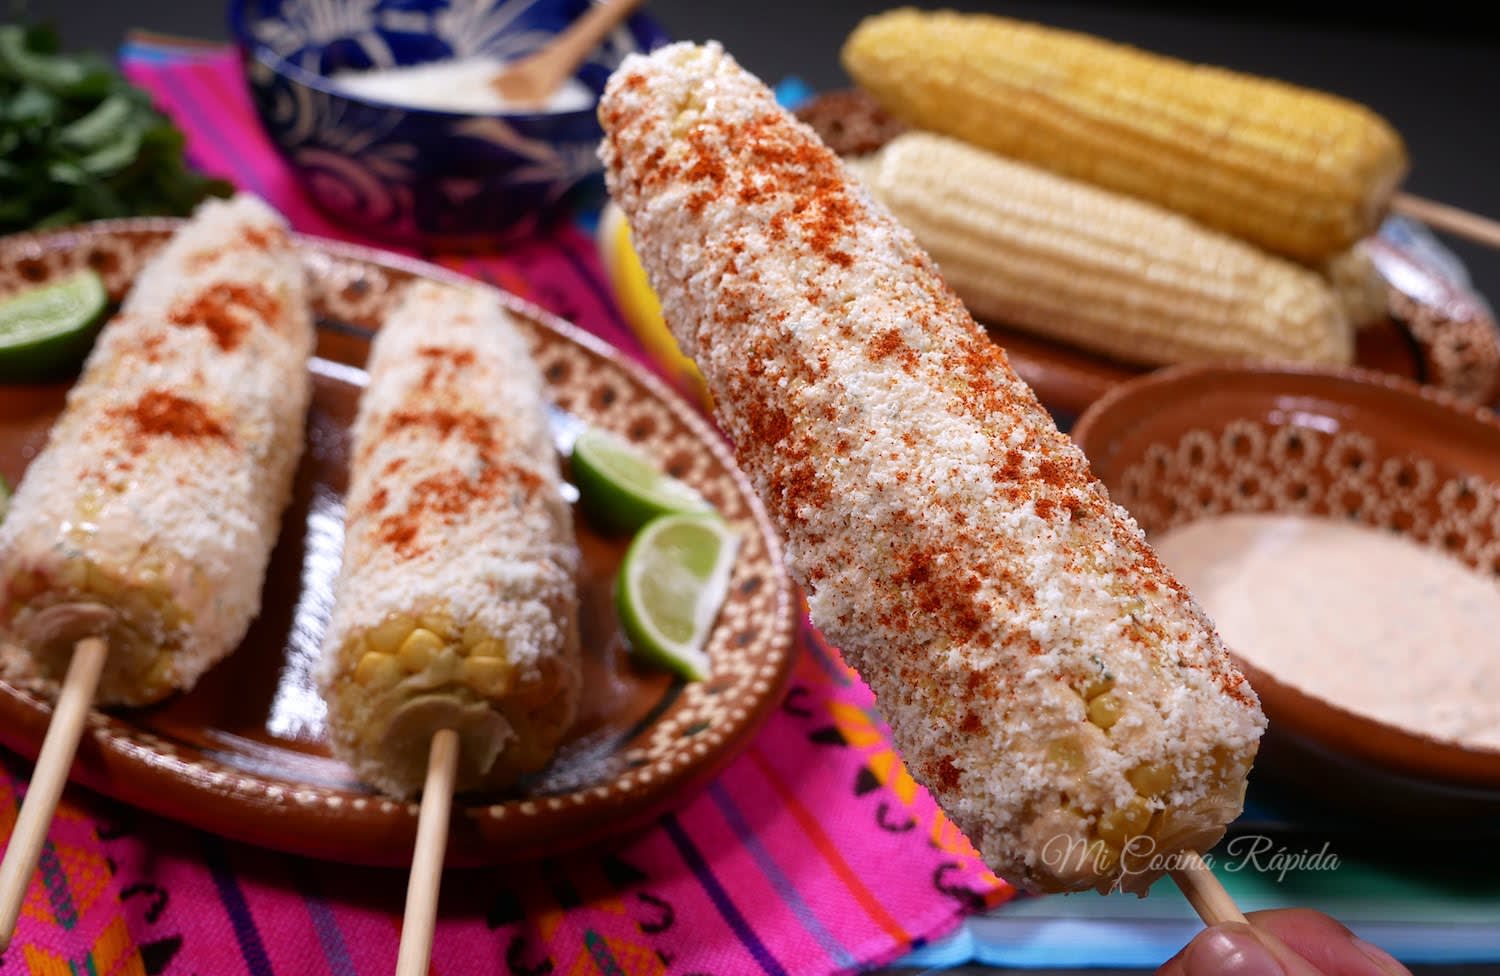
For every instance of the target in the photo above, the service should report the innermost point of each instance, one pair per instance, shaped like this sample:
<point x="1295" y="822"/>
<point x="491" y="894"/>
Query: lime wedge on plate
<point x="48" y="329"/>
<point x="671" y="586"/>
<point x="621" y="489"/>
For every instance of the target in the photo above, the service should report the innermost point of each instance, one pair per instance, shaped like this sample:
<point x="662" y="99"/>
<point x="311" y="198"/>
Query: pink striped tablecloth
<point x="814" y="852"/>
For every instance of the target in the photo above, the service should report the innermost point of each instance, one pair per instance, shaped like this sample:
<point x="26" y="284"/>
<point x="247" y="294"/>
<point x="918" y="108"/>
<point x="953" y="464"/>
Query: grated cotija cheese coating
<point x="1044" y="676"/>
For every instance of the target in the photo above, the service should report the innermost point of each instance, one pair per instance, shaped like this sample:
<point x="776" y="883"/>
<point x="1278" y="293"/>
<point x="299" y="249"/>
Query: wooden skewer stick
<point x="1454" y="220"/>
<point x="48" y="778"/>
<point x="427" y="861"/>
<point x="1204" y="891"/>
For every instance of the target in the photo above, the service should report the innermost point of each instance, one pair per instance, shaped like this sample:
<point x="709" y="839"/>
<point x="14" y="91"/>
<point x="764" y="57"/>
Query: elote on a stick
<point x="150" y="515"/>
<point x="456" y="603"/>
<point x="1043" y="674"/>
<point x="1099" y="270"/>
<point x="1300" y="172"/>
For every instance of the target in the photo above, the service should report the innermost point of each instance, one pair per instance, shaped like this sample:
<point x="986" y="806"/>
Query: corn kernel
<point x="387" y="637"/>
<point x="419" y="649"/>
<point x="1106" y="710"/>
<point x="488" y="676"/>
<point x="1225" y="763"/>
<point x="475" y="633"/>
<point x="355" y="648"/>
<point x="1098" y="686"/>
<point x="89" y="504"/>
<point x="158" y="676"/>
<point x="1065" y="752"/>
<point x="377" y="670"/>
<point x="439" y="623"/>
<point x="488" y="648"/>
<point x="1099" y="682"/>
<point x="1122" y="823"/>
<point x="171" y="613"/>
<point x="74" y="574"/>
<point x="1151" y="779"/>
<point x="105" y="586"/>
<point x="136" y="604"/>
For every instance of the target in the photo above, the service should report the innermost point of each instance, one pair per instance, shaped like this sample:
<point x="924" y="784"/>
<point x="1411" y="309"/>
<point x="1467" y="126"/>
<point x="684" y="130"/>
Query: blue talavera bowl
<point x="419" y="176"/>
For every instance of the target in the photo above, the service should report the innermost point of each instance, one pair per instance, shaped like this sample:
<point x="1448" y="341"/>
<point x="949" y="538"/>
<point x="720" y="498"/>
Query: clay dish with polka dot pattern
<point x="1192" y="441"/>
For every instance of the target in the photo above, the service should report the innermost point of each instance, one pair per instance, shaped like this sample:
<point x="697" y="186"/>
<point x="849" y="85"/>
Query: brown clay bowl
<point x="1193" y="441"/>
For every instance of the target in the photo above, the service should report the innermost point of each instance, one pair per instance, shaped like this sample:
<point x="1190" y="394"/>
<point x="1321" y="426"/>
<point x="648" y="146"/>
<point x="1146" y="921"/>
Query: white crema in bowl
<point x="1369" y="620"/>
<point x="453" y="85"/>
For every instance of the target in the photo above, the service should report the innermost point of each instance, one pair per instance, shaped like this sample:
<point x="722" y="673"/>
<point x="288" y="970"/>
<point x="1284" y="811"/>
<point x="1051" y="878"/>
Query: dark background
<point x="1432" y="69"/>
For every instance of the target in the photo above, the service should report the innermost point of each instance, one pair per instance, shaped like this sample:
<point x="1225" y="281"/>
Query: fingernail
<point x="1386" y="961"/>
<point x="1232" y="950"/>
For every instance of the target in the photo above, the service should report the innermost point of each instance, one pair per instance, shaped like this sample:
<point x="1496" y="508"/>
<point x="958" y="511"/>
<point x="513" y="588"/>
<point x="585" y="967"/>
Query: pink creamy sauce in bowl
<point x="1342" y="527"/>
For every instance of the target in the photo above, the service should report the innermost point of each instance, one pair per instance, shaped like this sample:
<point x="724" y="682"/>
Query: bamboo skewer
<point x="427" y="860"/>
<point x="1446" y="217"/>
<point x="1204" y="891"/>
<point x="48" y="778"/>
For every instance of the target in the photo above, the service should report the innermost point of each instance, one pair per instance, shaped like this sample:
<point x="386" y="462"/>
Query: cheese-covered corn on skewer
<point x="456" y="603"/>
<point x="1099" y="270"/>
<point x="1043" y="674"/>
<point x="1300" y="172"/>
<point x="149" y="517"/>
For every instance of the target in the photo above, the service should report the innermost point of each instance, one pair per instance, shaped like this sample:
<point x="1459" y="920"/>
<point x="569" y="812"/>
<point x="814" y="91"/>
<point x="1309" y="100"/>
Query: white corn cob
<point x="1361" y="289"/>
<point x="456" y="605"/>
<point x="151" y="513"/>
<point x="1098" y="270"/>
<point x="1043" y="673"/>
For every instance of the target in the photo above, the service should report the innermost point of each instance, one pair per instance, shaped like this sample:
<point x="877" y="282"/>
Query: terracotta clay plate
<point x="1194" y="441"/>
<point x="243" y="753"/>
<point x="1069" y="380"/>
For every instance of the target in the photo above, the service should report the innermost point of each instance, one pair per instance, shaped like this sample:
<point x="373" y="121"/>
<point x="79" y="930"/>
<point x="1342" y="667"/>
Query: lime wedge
<point x="4" y="499"/>
<point x="671" y="585"/>
<point x="48" y="329"/>
<point x="620" y="489"/>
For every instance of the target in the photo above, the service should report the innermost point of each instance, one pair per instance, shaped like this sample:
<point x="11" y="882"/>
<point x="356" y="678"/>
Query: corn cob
<point x="455" y="606"/>
<point x="149" y="517"/>
<point x="1359" y="286"/>
<point x="1299" y="172"/>
<point x="1043" y="674"/>
<point x="1097" y="270"/>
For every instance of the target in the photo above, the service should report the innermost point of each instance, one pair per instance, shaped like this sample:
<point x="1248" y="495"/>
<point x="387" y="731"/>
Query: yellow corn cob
<point x="455" y="605"/>
<point x="150" y="515"/>
<point x="1098" y="270"/>
<point x="1299" y="172"/>
<point x="1043" y="674"/>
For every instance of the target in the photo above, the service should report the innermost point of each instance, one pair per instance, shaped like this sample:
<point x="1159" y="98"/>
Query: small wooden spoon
<point x="530" y="81"/>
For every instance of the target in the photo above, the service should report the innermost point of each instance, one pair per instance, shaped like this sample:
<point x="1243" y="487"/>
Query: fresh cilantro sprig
<point x="78" y="142"/>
